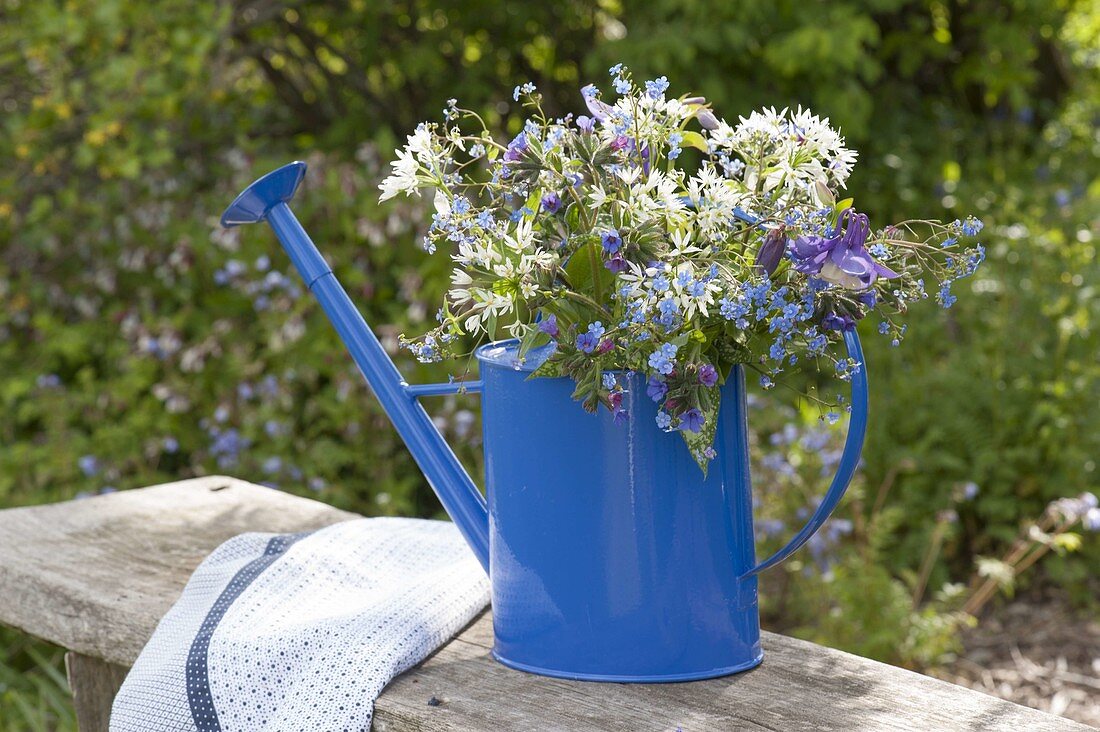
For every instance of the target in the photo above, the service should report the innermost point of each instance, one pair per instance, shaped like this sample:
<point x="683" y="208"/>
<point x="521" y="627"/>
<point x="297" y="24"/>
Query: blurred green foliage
<point x="127" y="127"/>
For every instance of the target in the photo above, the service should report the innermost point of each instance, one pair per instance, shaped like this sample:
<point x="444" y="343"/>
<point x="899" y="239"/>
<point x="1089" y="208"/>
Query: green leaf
<point x="550" y="368"/>
<point x="592" y="282"/>
<point x="533" y="338"/>
<point x="695" y="140"/>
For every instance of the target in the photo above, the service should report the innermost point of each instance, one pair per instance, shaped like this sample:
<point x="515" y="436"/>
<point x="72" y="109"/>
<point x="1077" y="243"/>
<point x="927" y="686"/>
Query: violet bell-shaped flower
<point x="771" y="252"/>
<point x="841" y="259"/>
<point x="599" y="109"/>
<point x="706" y="118"/>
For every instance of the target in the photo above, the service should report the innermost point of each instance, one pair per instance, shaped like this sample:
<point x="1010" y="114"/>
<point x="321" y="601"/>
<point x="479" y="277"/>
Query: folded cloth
<point x="302" y="631"/>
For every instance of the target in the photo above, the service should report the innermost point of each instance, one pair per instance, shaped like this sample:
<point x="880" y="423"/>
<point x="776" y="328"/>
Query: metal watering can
<point x="610" y="557"/>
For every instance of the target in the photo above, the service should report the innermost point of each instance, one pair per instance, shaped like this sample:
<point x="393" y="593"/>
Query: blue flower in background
<point x="528" y="88"/>
<point x="88" y="464"/>
<point x="664" y="420"/>
<point x="48" y="381"/>
<point x="944" y="296"/>
<point x="770" y="527"/>
<point x="972" y="226"/>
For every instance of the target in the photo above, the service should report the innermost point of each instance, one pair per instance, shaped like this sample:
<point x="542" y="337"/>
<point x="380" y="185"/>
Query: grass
<point x="34" y="694"/>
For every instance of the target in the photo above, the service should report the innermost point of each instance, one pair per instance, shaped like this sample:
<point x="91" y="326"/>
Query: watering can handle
<point x="849" y="459"/>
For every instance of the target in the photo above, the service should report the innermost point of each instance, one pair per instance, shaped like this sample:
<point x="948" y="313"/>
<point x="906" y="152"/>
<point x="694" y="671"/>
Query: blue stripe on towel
<point x="197" y="674"/>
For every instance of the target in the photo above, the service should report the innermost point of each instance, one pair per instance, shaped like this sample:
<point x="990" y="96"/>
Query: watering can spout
<point x="266" y="200"/>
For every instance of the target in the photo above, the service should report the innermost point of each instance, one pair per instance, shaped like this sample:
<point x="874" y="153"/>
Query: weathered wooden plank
<point x="95" y="576"/>
<point x="94" y="684"/>
<point x="800" y="686"/>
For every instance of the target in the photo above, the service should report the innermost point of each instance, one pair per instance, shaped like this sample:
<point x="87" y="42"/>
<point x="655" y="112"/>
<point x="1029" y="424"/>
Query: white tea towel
<point x="302" y="632"/>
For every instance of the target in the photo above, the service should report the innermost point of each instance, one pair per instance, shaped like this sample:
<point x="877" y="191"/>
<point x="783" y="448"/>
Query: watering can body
<point x="611" y="556"/>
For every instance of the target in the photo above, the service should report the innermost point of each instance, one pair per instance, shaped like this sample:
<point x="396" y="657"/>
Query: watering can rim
<point x="536" y="357"/>
<point x="504" y="355"/>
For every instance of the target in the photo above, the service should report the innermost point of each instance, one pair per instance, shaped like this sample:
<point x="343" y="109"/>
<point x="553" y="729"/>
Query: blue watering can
<point x="611" y="557"/>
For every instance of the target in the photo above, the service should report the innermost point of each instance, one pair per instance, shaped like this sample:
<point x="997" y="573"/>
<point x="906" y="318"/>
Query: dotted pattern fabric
<point x="198" y="677"/>
<point x="311" y="640"/>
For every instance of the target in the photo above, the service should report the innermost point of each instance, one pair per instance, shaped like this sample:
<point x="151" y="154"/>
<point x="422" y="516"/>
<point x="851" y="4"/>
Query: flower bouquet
<point x="648" y="235"/>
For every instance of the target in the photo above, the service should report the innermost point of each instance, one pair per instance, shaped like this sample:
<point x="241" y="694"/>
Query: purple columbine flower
<point x="586" y="123"/>
<point x="691" y="421"/>
<point x="616" y="264"/>
<point x="551" y="202"/>
<point x="843" y="258"/>
<point x="549" y="326"/>
<point x="708" y="375"/>
<point x="832" y="321"/>
<point x="611" y="241"/>
<point x="656" y="389"/>
<point x="516" y="148"/>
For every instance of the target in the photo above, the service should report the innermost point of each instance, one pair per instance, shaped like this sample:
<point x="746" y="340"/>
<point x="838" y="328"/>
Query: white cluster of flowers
<point x="795" y="151"/>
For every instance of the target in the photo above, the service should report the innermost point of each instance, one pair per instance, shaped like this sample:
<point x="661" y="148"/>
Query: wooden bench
<point x="95" y="576"/>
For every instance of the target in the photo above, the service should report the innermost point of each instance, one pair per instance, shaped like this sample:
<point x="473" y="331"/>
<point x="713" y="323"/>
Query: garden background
<point x="139" y="343"/>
